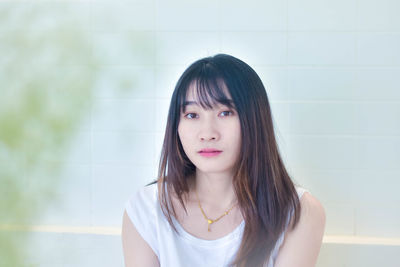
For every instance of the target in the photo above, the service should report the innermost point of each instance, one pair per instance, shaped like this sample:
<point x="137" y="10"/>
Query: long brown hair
<point x="266" y="194"/>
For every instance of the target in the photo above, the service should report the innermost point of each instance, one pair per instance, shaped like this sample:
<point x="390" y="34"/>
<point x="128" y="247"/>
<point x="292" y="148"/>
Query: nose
<point x="209" y="131"/>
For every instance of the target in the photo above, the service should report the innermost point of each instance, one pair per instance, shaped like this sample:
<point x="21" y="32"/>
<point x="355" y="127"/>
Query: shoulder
<point x="141" y="204"/>
<point x="145" y="196"/>
<point x="302" y="244"/>
<point x="312" y="208"/>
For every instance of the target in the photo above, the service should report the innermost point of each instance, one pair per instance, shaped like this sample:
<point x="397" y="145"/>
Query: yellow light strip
<point x="63" y="229"/>
<point x="328" y="239"/>
<point x="360" y="240"/>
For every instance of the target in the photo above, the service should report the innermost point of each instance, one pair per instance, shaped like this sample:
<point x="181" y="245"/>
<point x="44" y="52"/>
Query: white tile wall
<point x="322" y="48"/>
<point x="267" y="48"/>
<point x="275" y="81"/>
<point x="122" y="147"/>
<point x="319" y="118"/>
<point x="125" y="16"/>
<point x="377" y="84"/>
<point x="322" y="84"/>
<point x="378" y="48"/>
<point x="375" y="187"/>
<point x="253" y="15"/>
<point x="167" y="77"/>
<point x="340" y="219"/>
<point x="113" y="185"/>
<point x="125" y="82"/>
<point x="378" y="118"/>
<point x="281" y="117"/>
<point x="162" y="109"/>
<point x="124" y="48"/>
<point x="381" y="152"/>
<point x="45" y="15"/>
<point x="190" y="16"/>
<point x="325" y="15"/>
<point x="322" y="152"/>
<point x="79" y="152"/>
<point x="158" y="139"/>
<point x="124" y="115"/>
<point x="174" y="47"/>
<point x="331" y="186"/>
<point x="374" y="15"/>
<point x="74" y="250"/>
<point x="334" y="255"/>
<point x="73" y="197"/>
<point x="331" y="71"/>
<point x="369" y="220"/>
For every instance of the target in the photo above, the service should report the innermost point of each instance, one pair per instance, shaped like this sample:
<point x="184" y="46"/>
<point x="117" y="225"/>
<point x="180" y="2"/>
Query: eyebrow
<point x="187" y="103"/>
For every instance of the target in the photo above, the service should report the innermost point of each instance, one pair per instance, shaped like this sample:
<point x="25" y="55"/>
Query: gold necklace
<point x="208" y="219"/>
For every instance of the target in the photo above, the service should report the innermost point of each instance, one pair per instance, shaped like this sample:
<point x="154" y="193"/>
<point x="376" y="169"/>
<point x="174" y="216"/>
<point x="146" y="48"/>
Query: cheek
<point x="238" y="140"/>
<point x="183" y="133"/>
<point x="181" y="129"/>
<point x="236" y="133"/>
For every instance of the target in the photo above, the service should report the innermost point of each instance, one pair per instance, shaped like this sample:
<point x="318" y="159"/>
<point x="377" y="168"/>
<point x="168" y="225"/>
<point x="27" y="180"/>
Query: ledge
<point x="360" y="240"/>
<point x="328" y="239"/>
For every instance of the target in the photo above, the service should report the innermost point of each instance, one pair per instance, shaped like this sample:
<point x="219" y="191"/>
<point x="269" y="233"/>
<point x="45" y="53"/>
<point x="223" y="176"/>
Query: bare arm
<point x="137" y="253"/>
<point x="301" y="245"/>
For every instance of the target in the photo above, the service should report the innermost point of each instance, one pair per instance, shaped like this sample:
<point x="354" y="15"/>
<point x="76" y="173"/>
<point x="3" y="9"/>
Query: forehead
<point x="207" y="95"/>
<point x="196" y="92"/>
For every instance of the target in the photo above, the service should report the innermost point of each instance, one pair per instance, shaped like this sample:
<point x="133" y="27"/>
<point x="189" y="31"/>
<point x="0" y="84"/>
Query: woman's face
<point x="217" y="128"/>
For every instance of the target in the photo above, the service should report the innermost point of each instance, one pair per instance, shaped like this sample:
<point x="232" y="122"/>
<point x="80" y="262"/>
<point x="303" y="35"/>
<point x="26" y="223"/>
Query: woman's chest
<point x="197" y="224"/>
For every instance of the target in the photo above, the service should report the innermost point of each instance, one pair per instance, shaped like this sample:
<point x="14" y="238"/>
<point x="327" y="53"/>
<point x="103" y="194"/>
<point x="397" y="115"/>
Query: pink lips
<point x="210" y="152"/>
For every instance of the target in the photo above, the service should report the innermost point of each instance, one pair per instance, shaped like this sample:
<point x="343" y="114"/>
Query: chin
<point x="211" y="169"/>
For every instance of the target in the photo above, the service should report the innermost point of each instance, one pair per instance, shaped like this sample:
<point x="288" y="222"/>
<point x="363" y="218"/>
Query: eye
<point x="231" y="113"/>
<point x="190" y="115"/>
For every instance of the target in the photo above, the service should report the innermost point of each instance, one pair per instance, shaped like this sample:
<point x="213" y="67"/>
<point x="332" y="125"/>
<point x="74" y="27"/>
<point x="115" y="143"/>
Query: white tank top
<point x="185" y="249"/>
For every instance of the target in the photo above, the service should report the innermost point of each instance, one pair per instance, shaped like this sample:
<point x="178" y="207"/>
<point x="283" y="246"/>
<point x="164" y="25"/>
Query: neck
<point x="215" y="190"/>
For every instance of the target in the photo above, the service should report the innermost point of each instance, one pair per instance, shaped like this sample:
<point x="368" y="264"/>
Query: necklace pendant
<point x="209" y="223"/>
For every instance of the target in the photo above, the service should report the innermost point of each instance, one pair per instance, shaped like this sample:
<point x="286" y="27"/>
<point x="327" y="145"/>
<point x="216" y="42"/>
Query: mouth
<point x="210" y="152"/>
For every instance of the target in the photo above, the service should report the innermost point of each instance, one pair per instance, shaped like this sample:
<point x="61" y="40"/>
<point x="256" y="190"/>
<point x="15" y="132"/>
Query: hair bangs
<point x="208" y="92"/>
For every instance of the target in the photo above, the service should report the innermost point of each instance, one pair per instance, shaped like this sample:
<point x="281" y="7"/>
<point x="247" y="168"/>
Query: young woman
<point x="223" y="196"/>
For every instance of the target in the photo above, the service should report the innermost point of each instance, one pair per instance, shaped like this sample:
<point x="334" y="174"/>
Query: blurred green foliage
<point x="46" y="80"/>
